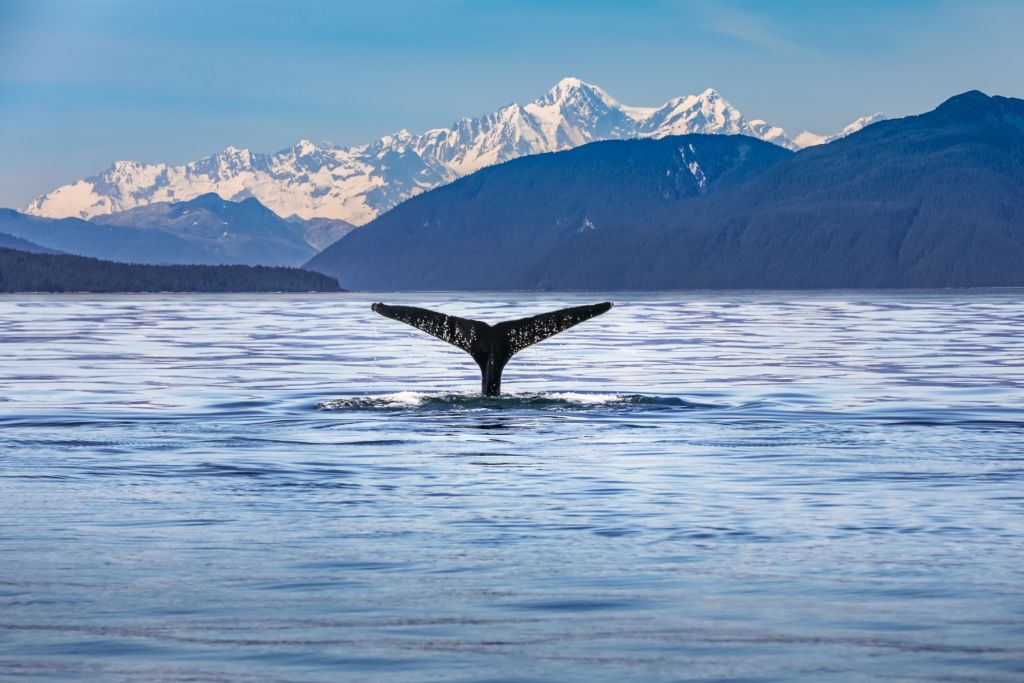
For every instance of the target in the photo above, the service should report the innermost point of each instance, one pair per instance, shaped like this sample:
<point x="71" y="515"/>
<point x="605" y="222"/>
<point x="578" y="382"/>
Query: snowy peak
<point x="225" y="164"/>
<point x="708" y="112"/>
<point x="570" y="92"/>
<point x="809" y="139"/>
<point x="860" y="124"/>
<point x="575" y="113"/>
<point x="304" y="148"/>
<point x="356" y="184"/>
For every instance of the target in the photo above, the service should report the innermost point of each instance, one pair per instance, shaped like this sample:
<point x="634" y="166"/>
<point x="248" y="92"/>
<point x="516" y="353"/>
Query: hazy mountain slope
<point x="492" y="229"/>
<point x="319" y="232"/>
<point x="244" y="232"/>
<point x="22" y="271"/>
<point x="205" y="230"/>
<point x="358" y="183"/>
<point x="114" y="243"/>
<point x="12" y="242"/>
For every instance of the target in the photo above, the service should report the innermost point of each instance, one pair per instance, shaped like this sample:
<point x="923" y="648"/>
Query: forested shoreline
<point x="21" y="271"/>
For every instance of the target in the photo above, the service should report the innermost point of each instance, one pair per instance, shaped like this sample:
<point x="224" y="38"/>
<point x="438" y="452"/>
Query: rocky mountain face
<point x="356" y="184"/>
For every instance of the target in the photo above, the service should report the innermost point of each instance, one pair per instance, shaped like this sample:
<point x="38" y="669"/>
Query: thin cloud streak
<point x="742" y="25"/>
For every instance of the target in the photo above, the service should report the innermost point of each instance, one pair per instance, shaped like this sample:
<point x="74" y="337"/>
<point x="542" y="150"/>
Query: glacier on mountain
<point x="356" y="184"/>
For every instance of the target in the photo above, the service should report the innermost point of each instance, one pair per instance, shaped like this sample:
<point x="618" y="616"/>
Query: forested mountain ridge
<point x="934" y="200"/>
<point x="492" y="229"/>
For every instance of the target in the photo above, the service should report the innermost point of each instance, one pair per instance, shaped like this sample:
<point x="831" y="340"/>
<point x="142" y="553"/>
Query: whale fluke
<point x="491" y="345"/>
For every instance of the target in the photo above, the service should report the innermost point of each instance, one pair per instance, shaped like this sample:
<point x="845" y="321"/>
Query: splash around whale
<point x="491" y="346"/>
<point x="555" y="402"/>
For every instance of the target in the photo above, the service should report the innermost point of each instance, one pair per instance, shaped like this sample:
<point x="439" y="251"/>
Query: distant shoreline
<point x="25" y="272"/>
<point x="456" y="294"/>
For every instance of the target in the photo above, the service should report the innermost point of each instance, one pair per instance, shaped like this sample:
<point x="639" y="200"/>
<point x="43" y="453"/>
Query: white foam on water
<point x="576" y="397"/>
<point x="473" y="401"/>
<point x="399" y="399"/>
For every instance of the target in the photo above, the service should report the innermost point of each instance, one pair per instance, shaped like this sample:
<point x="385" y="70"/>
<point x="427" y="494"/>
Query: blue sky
<point x="83" y="83"/>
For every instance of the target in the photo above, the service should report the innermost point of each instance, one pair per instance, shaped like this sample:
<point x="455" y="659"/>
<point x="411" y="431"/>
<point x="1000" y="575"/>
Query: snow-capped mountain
<point x="809" y="139"/>
<point x="356" y="184"/>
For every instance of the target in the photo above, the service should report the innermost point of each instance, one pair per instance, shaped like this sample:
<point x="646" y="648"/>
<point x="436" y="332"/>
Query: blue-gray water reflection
<point x="732" y="486"/>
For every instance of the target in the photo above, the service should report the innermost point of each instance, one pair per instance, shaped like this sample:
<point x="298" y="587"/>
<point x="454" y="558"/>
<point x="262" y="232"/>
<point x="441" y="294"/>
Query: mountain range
<point x="203" y="230"/>
<point x="935" y="200"/>
<point x="357" y="184"/>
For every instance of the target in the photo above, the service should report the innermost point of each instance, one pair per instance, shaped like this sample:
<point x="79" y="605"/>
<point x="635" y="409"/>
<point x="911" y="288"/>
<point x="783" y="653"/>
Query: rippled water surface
<point x="702" y="486"/>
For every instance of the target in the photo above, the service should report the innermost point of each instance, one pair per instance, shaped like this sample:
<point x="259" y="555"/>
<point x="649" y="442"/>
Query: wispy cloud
<point x="740" y="24"/>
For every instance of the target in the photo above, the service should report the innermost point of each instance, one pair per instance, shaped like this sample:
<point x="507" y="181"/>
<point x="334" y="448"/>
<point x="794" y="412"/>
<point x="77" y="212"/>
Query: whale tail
<point x="492" y="346"/>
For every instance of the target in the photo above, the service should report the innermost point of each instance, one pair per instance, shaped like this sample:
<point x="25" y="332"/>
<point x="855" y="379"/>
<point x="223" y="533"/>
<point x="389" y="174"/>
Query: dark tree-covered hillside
<point x="934" y="200"/>
<point x="492" y="229"/>
<point x="21" y="271"/>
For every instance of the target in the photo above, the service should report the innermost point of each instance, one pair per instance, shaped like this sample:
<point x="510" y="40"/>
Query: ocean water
<point x="741" y="486"/>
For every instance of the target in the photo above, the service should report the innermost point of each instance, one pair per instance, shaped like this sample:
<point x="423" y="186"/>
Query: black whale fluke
<point x="491" y="345"/>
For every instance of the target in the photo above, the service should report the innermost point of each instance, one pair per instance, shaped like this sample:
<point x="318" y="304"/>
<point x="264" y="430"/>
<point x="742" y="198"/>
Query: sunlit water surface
<point x="703" y="486"/>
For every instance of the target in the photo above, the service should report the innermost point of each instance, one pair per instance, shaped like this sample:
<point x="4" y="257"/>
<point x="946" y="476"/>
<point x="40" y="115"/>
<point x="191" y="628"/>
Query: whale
<point x="491" y="346"/>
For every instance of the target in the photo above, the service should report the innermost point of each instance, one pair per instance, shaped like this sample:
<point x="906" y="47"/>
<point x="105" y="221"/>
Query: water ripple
<point x="710" y="486"/>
